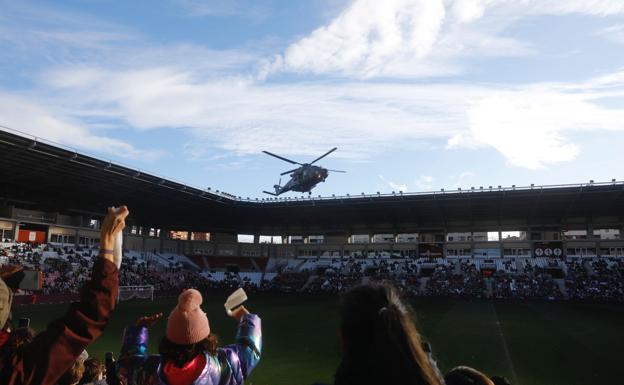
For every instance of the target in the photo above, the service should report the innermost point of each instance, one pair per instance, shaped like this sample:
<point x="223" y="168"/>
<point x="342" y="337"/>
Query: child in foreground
<point x="189" y="353"/>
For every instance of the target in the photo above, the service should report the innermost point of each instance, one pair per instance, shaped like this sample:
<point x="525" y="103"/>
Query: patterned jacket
<point x="230" y="366"/>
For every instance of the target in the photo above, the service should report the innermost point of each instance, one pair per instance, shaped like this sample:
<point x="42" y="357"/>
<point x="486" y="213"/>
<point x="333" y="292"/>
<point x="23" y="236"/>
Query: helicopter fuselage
<point x="304" y="179"/>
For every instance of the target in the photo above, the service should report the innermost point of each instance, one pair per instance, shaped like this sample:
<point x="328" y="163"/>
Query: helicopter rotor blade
<point x="336" y="171"/>
<point x="324" y="155"/>
<point x="288" y="172"/>
<point x="282" y="158"/>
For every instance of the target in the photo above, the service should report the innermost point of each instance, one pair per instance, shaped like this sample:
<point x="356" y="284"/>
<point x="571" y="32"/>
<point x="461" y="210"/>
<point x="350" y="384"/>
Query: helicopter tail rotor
<point x="278" y="186"/>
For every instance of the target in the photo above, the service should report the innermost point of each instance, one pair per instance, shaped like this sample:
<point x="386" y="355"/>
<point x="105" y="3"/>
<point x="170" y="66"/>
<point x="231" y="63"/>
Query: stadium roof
<point x="41" y="175"/>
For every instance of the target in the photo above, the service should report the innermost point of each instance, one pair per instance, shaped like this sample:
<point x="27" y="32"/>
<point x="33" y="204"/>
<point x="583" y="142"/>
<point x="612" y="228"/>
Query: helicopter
<point x="304" y="178"/>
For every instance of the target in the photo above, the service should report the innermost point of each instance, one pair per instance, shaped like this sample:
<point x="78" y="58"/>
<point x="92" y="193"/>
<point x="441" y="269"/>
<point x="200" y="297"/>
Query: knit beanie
<point x="187" y="323"/>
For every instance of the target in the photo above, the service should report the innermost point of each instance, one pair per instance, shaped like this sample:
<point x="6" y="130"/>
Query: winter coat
<point x="53" y="351"/>
<point x="230" y="366"/>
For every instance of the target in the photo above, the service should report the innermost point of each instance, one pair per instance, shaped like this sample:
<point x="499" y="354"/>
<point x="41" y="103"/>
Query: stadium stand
<point x="65" y="269"/>
<point x="541" y="261"/>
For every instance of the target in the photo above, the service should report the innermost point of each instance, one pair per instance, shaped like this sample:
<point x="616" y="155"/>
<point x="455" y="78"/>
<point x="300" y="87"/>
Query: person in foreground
<point x="45" y="358"/>
<point x="464" y="375"/>
<point x="188" y="351"/>
<point x="380" y="344"/>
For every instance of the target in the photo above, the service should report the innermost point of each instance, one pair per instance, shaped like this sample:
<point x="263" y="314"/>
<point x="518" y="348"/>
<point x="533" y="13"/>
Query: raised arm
<point x="244" y="354"/>
<point x="134" y="348"/>
<point x="54" y="350"/>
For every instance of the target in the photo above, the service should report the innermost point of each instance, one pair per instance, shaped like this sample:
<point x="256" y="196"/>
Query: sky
<point x="418" y="95"/>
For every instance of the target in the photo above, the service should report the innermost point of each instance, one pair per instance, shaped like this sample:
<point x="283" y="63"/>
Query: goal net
<point x="130" y="292"/>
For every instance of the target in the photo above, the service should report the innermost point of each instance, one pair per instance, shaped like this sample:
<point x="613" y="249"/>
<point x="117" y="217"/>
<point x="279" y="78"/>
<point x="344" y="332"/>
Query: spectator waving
<point x="52" y="352"/>
<point x="188" y="351"/>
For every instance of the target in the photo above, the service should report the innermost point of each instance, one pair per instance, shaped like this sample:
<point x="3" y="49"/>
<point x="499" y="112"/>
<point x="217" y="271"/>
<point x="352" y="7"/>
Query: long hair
<point x="464" y="375"/>
<point x="181" y="354"/>
<point x="380" y="342"/>
<point x="73" y="375"/>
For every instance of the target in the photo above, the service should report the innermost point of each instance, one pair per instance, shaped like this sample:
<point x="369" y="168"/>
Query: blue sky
<point x="417" y="95"/>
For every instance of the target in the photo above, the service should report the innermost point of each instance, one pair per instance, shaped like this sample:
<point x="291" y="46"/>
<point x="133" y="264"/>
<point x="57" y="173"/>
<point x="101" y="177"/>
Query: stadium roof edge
<point x="40" y="176"/>
<point x="52" y="148"/>
<point x="13" y="136"/>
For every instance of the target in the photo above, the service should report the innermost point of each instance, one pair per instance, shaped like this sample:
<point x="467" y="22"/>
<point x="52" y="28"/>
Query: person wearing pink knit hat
<point x="187" y="323"/>
<point x="189" y="353"/>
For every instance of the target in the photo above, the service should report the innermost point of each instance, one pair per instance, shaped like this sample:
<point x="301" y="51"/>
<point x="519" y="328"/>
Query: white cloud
<point x="531" y="126"/>
<point x="244" y="117"/>
<point x="24" y="26"/>
<point x="402" y="187"/>
<point x="245" y="8"/>
<point x="215" y="99"/>
<point x="614" y="33"/>
<point x="460" y="180"/>
<point x="368" y="35"/>
<point x="420" y="38"/>
<point x="424" y="183"/>
<point x="36" y="120"/>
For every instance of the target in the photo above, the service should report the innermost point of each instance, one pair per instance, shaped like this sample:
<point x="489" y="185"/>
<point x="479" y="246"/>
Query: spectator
<point x="16" y="341"/>
<point x="52" y="352"/>
<point x="380" y="342"/>
<point x="93" y="372"/>
<point x="6" y="298"/>
<point x="10" y="278"/>
<point x="188" y="351"/>
<point x="75" y="372"/>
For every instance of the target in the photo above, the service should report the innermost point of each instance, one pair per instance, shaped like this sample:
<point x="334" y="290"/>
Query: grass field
<point x="531" y="344"/>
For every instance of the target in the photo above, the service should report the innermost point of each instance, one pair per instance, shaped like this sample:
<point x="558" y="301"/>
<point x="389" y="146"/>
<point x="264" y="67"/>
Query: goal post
<point x="131" y="292"/>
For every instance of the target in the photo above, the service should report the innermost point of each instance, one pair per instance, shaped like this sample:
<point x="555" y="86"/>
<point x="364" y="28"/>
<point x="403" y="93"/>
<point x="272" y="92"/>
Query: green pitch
<point x="531" y="344"/>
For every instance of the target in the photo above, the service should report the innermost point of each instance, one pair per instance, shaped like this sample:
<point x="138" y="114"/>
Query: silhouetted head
<point x="73" y="375"/>
<point x="380" y="342"/>
<point x="93" y="371"/>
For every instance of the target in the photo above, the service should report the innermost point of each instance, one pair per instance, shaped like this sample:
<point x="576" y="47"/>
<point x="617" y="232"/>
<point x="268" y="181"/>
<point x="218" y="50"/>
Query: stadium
<point x="516" y="266"/>
<point x="319" y="192"/>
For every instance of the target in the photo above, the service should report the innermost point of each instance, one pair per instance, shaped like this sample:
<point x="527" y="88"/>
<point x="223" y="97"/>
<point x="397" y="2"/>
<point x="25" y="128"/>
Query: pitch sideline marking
<point x="501" y="334"/>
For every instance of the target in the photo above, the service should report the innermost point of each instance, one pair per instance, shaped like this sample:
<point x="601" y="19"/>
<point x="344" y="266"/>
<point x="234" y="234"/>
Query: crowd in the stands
<point x="65" y="269"/>
<point x="446" y="281"/>
<point x="600" y="280"/>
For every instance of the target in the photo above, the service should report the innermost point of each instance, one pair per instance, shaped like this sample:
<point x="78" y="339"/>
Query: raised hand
<point x="239" y="313"/>
<point x="113" y="223"/>
<point x="149" y="320"/>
